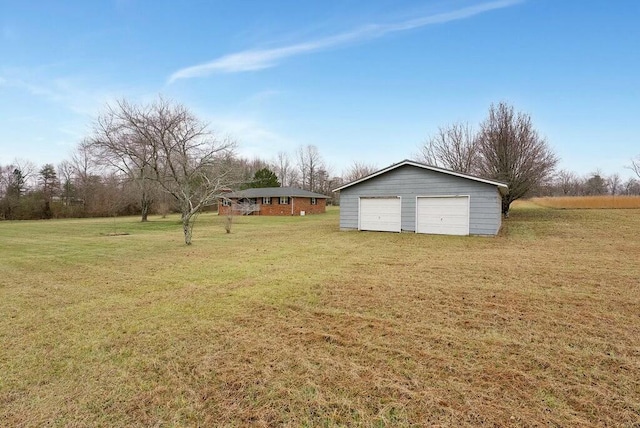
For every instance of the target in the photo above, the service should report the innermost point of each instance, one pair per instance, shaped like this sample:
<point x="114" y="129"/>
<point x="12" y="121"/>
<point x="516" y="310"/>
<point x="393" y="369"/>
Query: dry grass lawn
<point x="588" y="202"/>
<point x="290" y="322"/>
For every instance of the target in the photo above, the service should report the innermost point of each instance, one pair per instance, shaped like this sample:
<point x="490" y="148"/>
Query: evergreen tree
<point x="264" y="178"/>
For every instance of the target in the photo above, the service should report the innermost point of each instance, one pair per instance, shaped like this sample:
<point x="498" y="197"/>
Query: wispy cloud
<point x="76" y="94"/>
<point x="258" y="59"/>
<point x="258" y="139"/>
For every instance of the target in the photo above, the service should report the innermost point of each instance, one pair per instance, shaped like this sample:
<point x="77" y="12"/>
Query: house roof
<point x="274" y="192"/>
<point x="502" y="187"/>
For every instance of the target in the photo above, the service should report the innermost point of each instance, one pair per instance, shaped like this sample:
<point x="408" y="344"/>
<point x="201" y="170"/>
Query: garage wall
<point x="409" y="182"/>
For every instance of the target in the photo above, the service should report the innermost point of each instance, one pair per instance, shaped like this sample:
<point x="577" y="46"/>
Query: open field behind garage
<point x="288" y="321"/>
<point x="589" y="202"/>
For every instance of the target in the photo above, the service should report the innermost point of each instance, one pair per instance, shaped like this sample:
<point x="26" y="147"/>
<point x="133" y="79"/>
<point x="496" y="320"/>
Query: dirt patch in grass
<point x="289" y="322"/>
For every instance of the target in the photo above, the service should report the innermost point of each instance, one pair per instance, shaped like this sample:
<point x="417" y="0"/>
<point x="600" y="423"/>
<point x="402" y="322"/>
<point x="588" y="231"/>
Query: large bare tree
<point x="166" y="144"/>
<point x="284" y="169"/>
<point x="453" y="147"/>
<point x="614" y="183"/>
<point x="86" y="180"/>
<point x="512" y="151"/>
<point x="66" y="174"/>
<point x="117" y="144"/>
<point x="567" y="183"/>
<point x="310" y="165"/>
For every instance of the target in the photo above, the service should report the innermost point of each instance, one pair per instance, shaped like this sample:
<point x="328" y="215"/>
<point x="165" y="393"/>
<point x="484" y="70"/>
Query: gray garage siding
<point x="408" y="182"/>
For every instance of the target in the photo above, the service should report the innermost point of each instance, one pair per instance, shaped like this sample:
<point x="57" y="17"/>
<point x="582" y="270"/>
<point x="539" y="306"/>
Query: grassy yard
<point x="288" y="321"/>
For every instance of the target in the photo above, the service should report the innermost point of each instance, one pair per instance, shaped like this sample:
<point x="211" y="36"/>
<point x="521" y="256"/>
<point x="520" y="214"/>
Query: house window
<point x="266" y="200"/>
<point x="314" y="201"/>
<point x="284" y="200"/>
<point x="226" y="203"/>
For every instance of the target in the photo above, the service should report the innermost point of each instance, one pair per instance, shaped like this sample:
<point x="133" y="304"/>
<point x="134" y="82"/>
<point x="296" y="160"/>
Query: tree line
<point x="507" y="147"/>
<point x="154" y="158"/>
<point x="160" y="158"/>
<point x="82" y="187"/>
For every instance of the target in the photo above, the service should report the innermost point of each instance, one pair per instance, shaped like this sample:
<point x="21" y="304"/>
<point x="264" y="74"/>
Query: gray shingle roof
<point x="502" y="187"/>
<point x="274" y="192"/>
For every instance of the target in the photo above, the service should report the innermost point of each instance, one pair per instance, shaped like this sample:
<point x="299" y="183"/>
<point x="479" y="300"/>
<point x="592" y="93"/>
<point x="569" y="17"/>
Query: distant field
<point x="288" y="321"/>
<point x="607" y="201"/>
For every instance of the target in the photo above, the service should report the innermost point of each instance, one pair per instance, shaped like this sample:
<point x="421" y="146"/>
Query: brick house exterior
<point x="272" y="201"/>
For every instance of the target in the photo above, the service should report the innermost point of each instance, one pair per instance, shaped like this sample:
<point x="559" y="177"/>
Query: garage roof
<point x="502" y="187"/>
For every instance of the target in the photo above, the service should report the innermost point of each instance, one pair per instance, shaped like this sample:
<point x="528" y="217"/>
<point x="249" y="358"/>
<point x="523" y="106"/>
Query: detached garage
<point x="414" y="197"/>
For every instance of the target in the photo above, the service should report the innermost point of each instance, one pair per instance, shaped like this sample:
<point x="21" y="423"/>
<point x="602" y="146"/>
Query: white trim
<point x="427" y="167"/>
<point x="445" y="196"/>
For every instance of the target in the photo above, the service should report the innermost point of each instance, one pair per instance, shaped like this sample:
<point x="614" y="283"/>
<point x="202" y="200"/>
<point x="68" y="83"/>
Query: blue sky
<point x="366" y="81"/>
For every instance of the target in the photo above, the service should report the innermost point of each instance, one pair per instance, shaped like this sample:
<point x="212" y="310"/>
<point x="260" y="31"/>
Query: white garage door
<point x="381" y="214"/>
<point x="443" y="215"/>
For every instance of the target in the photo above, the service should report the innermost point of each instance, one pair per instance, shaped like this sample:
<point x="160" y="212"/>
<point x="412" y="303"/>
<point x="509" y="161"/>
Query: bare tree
<point x="66" y="173"/>
<point x="324" y="182"/>
<point x="357" y="170"/>
<point x="172" y="148"/>
<point x="86" y="176"/>
<point x="632" y="187"/>
<point x="117" y="144"/>
<point x="246" y="169"/>
<point x="453" y="147"/>
<point x="567" y="183"/>
<point x="511" y="151"/>
<point x="284" y="169"/>
<point x="28" y="171"/>
<point x="614" y="183"/>
<point x="310" y="163"/>
<point x="635" y="165"/>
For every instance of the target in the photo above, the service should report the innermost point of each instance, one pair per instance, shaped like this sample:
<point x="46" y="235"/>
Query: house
<point x="414" y="197"/>
<point x="272" y="201"/>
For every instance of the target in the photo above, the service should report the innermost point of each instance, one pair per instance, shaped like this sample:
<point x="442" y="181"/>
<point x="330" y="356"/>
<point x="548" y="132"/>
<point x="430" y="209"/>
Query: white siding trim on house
<point x="383" y="214"/>
<point x="443" y="214"/>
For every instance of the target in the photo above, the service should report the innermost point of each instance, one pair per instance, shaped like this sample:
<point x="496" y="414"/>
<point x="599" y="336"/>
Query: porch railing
<point x="245" y="208"/>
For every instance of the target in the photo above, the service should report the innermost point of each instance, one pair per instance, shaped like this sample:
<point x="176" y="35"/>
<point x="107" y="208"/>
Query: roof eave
<point x="501" y="186"/>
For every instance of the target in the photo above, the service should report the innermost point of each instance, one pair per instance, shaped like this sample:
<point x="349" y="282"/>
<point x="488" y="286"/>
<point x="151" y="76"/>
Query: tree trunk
<point x="46" y="211"/>
<point x="145" y="205"/>
<point x="188" y="221"/>
<point x="187" y="228"/>
<point x="506" y="203"/>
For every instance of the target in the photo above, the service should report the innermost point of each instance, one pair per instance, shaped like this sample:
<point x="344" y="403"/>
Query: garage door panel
<point x="443" y="215"/>
<point x="380" y="214"/>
